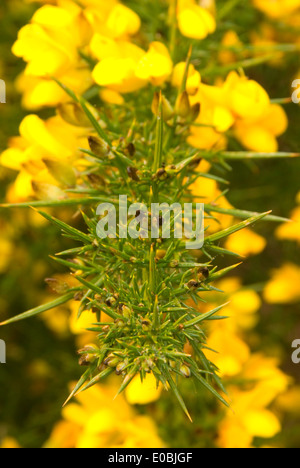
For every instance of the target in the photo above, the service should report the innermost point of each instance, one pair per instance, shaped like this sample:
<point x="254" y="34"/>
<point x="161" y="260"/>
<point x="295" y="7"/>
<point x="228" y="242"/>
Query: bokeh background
<point x="41" y="352"/>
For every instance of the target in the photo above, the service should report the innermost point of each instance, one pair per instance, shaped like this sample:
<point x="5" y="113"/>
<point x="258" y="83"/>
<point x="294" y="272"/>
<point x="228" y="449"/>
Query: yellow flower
<point x="290" y="401"/>
<point x="123" y="21"/>
<point x="233" y="353"/>
<point x="143" y="393"/>
<point x="290" y="230"/>
<point x="194" y="21"/>
<point x="124" y="67"/>
<point x="38" y="93"/>
<point x="206" y="190"/>
<point x="230" y="39"/>
<point x="283" y="288"/>
<point x="111" y="97"/>
<point x="6" y="253"/>
<point x="99" y="421"/>
<point x="193" y="78"/>
<point x="49" y="44"/>
<point x="118" y="65"/>
<point x="156" y="65"/>
<point x="246" y="98"/>
<point x="277" y="8"/>
<point x="245" y="243"/>
<point x="250" y="416"/>
<point x="112" y="19"/>
<point x="9" y="443"/>
<point x="260" y="134"/>
<point x="40" y="143"/>
<point x="242" y="308"/>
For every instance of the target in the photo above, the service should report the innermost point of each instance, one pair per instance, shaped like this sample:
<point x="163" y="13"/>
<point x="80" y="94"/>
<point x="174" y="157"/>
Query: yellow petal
<point x="138" y="393"/>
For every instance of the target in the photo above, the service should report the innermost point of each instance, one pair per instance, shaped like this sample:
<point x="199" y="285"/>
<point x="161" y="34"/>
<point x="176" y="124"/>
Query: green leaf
<point x="208" y="386"/>
<point x="66" y="228"/>
<point x="175" y="390"/>
<point x="79" y="384"/>
<point x="38" y="310"/>
<point x="221" y="273"/>
<point x="235" y="228"/>
<point x="252" y="155"/>
<point x="95" y="380"/>
<point x="203" y="317"/>
<point x="94" y="121"/>
<point x="242" y="213"/>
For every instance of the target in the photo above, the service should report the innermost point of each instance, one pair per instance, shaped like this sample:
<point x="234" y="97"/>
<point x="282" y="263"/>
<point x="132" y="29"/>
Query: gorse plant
<point x="149" y="146"/>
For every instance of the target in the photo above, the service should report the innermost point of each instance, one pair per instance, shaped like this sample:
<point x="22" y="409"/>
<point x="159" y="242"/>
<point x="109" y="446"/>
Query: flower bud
<point x="63" y="173"/>
<point x="161" y="174"/>
<point x="203" y="274"/>
<point x="126" y="312"/>
<point x="73" y="114"/>
<point x="98" y="146"/>
<point x="88" y="355"/>
<point x="185" y="371"/>
<point x="133" y="173"/>
<point x="195" y="111"/>
<point x="120" y="367"/>
<point x="57" y="286"/>
<point x="160" y="254"/>
<point x="112" y="360"/>
<point x="146" y="324"/>
<point x="193" y="285"/>
<point x="111" y="302"/>
<point x="47" y="191"/>
<point x="167" y="109"/>
<point x="183" y="107"/>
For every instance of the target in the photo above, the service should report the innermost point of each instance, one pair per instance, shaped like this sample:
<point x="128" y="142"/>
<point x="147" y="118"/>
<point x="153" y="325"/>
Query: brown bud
<point x="195" y="111"/>
<point x="133" y="173"/>
<point x="130" y="149"/>
<point x="98" y="146"/>
<point x="146" y="324"/>
<point x="193" y="284"/>
<point x="111" y="360"/>
<point x="203" y="274"/>
<point x="111" y="302"/>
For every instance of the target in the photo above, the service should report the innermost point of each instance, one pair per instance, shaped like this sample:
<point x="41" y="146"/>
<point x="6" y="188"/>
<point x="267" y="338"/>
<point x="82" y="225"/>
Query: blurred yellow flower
<point x="246" y="242"/>
<point x="290" y="230"/>
<point x="232" y="352"/>
<point x="143" y="393"/>
<point x="283" y="288"/>
<point x="277" y="8"/>
<point x="193" y="20"/>
<point x="230" y="39"/>
<point x="260" y="134"/>
<point x="40" y="144"/>
<point x="250" y="416"/>
<point x="156" y="65"/>
<point x="193" y="77"/>
<point x="6" y="253"/>
<point x="9" y="443"/>
<point x="118" y="64"/>
<point x="99" y="421"/>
